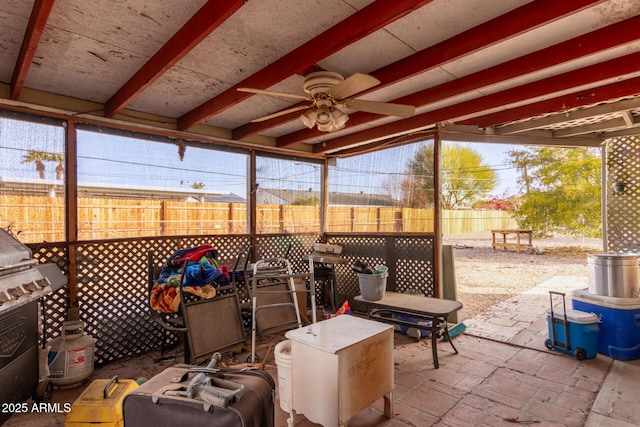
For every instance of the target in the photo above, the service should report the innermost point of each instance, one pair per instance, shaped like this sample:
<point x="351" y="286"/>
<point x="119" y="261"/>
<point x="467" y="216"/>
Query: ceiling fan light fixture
<point x="325" y="127"/>
<point x="338" y="118"/>
<point x="308" y="118"/>
<point x="323" y="115"/>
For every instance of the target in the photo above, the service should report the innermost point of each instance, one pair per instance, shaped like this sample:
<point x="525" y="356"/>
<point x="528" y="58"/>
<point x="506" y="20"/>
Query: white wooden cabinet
<point x="340" y="366"/>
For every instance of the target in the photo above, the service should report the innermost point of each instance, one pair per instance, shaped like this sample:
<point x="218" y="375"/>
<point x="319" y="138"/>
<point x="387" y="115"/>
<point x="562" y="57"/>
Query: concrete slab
<point x="618" y="397"/>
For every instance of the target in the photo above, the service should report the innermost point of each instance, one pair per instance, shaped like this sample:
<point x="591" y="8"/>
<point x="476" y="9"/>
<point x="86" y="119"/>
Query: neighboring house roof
<point x="50" y="186"/>
<point x="287" y="197"/>
<point x="225" y="198"/>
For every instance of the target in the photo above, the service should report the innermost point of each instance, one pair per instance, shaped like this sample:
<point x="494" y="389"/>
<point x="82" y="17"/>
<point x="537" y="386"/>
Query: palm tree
<point x="59" y="159"/>
<point x="197" y="185"/>
<point x="37" y="157"/>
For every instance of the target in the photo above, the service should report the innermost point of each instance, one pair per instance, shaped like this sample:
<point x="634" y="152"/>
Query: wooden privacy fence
<point x="41" y="218"/>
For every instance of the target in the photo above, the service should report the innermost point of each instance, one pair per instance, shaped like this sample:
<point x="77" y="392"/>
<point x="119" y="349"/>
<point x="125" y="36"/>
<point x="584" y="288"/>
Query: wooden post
<point x="163" y="218"/>
<point x="231" y="218"/>
<point x="352" y="217"/>
<point x="71" y="213"/>
<point x="437" y="224"/>
<point x="399" y="221"/>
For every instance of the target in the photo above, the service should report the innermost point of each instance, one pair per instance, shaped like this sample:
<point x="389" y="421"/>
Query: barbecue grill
<point x="23" y="282"/>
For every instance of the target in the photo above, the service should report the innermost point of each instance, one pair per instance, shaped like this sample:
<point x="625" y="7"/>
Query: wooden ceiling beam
<point x="560" y="104"/>
<point x="615" y="68"/>
<point x="355" y="27"/>
<point x="35" y="27"/>
<point x="600" y="40"/>
<point x="202" y="23"/>
<point x="502" y="28"/>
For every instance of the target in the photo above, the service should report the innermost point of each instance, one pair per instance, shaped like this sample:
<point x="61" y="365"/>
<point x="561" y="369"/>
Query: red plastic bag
<point x="345" y="309"/>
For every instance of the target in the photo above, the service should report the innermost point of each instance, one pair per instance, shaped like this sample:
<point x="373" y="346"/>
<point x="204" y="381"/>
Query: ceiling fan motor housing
<point x="320" y="82"/>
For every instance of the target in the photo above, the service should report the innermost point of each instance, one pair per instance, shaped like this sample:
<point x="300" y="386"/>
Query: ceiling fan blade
<point x="282" y="113"/>
<point x="271" y="93"/>
<point x="353" y="84"/>
<point x="385" y="108"/>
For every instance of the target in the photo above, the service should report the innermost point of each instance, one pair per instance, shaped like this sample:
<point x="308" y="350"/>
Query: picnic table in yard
<point x="523" y="239"/>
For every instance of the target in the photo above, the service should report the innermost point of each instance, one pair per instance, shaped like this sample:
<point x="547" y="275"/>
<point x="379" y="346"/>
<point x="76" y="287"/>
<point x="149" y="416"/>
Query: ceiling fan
<point x="328" y="93"/>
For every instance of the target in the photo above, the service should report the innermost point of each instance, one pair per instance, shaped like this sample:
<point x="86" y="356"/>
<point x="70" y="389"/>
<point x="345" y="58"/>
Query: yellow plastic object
<point x="100" y="404"/>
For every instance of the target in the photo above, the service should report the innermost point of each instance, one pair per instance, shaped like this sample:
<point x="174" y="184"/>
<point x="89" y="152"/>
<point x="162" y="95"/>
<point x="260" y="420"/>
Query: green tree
<point x="197" y="185"/>
<point x="307" y="201"/>
<point x="561" y="189"/>
<point x="465" y="178"/>
<point x="417" y="189"/>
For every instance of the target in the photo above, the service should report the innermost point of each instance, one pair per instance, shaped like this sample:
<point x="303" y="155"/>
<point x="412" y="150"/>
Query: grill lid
<point x="12" y="252"/>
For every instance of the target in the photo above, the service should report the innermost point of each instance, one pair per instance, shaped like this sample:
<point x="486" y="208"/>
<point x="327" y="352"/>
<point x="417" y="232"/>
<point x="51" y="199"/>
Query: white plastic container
<point x="282" y="355"/>
<point x="71" y="356"/>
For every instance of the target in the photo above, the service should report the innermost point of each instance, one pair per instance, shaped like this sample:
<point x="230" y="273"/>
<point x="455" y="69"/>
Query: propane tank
<point x="71" y="356"/>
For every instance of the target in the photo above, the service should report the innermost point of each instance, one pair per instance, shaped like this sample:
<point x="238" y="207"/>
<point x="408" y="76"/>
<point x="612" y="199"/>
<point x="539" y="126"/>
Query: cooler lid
<point x="621" y="303"/>
<point x="576" y="316"/>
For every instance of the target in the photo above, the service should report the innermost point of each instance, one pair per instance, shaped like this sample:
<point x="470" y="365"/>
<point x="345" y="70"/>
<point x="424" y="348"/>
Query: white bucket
<point x="71" y="356"/>
<point x="372" y="286"/>
<point x="285" y="380"/>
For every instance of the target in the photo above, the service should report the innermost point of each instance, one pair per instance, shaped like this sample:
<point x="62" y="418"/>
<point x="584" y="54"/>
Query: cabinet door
<point x="365" y="374"/>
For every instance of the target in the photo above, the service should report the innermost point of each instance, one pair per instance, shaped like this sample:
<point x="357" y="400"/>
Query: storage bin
<point x="414" y="331"/>
<point x="619" y="324"/>
<point x="100" y="404"/>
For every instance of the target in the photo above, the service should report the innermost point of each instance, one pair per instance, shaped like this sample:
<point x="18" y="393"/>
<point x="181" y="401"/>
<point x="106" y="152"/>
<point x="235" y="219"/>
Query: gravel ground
<point x="485" y="277"/>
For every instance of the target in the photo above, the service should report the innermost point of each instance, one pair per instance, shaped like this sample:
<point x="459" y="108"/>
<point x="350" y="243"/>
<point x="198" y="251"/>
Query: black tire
<point x="581" y="354"/>
<point x="43" y="392"/>
<point x="256" y="359"/>
<point x="547" y="343"/>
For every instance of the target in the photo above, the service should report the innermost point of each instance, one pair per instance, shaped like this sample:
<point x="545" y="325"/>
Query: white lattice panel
<point x="623" y="194"/>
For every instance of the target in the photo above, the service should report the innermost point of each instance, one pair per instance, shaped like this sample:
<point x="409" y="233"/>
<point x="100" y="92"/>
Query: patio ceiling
<point x="552" y="72"/>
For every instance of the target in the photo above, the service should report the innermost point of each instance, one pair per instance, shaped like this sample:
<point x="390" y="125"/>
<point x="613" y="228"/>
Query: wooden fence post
<point x="352" y="215"/>
<point x="163" y="217"/>
<point x="231" y="216"/>
<point x="399" y="222"/>
<point x="281" y="216"/>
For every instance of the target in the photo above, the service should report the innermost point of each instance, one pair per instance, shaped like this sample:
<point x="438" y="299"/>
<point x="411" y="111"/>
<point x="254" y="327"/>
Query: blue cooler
<point x="572" y="332"/>
<point x="619" y="317"/>
<point x="581" y="336"/>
